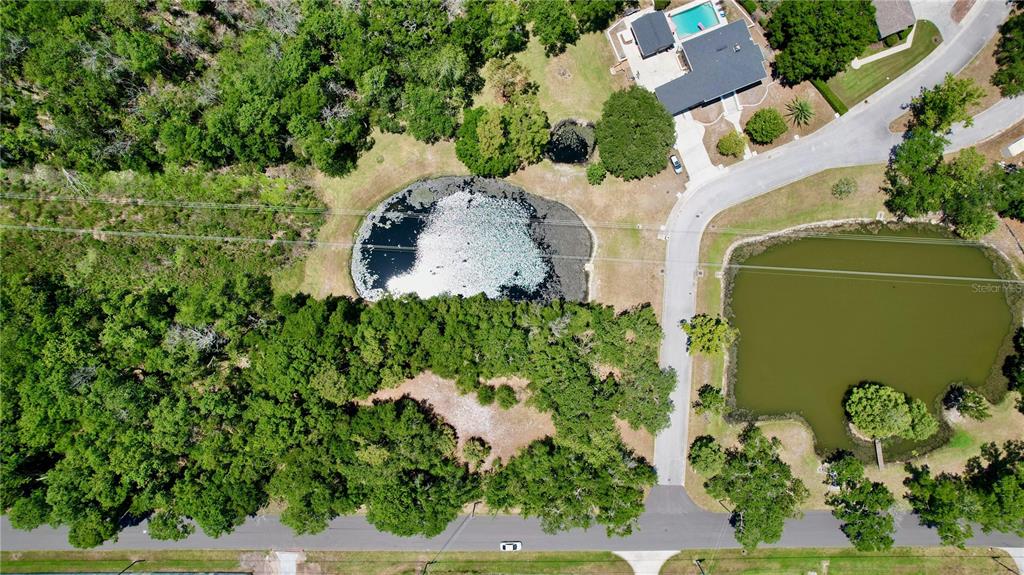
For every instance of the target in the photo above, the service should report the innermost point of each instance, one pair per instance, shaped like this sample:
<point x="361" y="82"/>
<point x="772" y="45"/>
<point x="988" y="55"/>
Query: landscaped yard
<point x="853" y="86"/>
<point x="898" y="561"/>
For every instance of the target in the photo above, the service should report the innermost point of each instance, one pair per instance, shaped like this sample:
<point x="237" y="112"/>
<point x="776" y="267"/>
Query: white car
<point x="675" y="164"/>
<point x="511" y="545"/>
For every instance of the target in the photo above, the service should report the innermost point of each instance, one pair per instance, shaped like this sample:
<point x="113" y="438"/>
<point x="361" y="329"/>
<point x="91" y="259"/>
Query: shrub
<point x="476" y="451"/>
<point x="706" y="456"/>
<point x="596" y="173"/>
<point x="765" y="126"/>
<point x="800" y="111"/>
<point x="732" y="144"/>
<point x="661" y="4"/>
<point x="833" y="100"/>
<point x="749" y="5"/>
<point x="634" y="134"/>
<point x="506" y="396"/>
<point x="485" y="394"/>
<point x="891" y="40"/>
<point x="844" y="187"/>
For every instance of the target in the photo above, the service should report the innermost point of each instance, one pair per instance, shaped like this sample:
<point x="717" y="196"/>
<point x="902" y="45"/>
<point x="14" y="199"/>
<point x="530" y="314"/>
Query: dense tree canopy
<point x="1010" y="54"/>
<point x="709" y="335"/>
<point x="760" y="487"/>
<point x="969" y="195"/>
<point x="93" y="86"/>
<point x="881" y="412"/>
<point x="818" y="39"/>
<point x="862" y="505"/>
<point x="634" y="134"/>
<point x="938" y="108"/>
<point x="990" y="493"/>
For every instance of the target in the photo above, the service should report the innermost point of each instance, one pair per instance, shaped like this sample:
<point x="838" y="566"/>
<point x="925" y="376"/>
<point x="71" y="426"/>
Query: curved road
<point x="671" y="521"/>
<point x="860" y="137"/>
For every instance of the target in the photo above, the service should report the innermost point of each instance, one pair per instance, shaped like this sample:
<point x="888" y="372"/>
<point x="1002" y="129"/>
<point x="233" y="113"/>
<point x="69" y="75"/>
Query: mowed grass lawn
<point x="898" y="561"/>
<point x="853" y="86"/>
<point x="115" y="561"/>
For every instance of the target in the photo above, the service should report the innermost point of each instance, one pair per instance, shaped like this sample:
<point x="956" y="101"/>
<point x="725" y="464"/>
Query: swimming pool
<point x="695" y="19"/>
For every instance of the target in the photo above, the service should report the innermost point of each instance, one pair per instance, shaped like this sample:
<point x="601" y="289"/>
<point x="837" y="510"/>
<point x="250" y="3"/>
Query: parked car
<point x="511" y="545"/>
<point x="675" y="164"/>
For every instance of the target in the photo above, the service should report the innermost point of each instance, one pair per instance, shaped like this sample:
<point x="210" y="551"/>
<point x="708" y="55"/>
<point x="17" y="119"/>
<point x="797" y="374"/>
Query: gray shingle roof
<point x="721" y="61"/>
<point x="652" y="33"/>
<point x="893" y="16"/>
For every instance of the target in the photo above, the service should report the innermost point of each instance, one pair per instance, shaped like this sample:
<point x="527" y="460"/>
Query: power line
<point x="642" y="226"/>
<point x="409" y="249"/>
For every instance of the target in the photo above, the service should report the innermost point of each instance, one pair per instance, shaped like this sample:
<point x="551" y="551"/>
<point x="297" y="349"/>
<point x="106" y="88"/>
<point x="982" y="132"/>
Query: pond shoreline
<point x="565" y="241"/>
<point x="742" y="249"/>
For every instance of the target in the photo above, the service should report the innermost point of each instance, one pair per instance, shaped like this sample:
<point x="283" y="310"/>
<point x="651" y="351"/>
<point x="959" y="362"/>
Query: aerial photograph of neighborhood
<point x="516" y="287"/>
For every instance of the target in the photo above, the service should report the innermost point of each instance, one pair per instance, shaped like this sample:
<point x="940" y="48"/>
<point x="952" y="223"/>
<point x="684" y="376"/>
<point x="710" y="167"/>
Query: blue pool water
<point x="691" y="21"/>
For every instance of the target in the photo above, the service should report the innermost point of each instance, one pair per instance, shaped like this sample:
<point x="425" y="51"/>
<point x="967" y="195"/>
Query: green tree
<point x="862" y="505"/>
<point x="765" y="126"/>
<point x="710" y="400"/>
<point x="732" y="144"/>
<point x="800" y="111"/>
<point x="816" y="40"/>
<point x="553" y="24"/>
<point x="595" y="15"/>
<point x="1009" y="75"/>
<point x="497" y="141"/>
<point x="428" y="116"/>
<point x="967" y="402"/>
<point x="706" y="456"/>
<point x="634" y="134"/>
<point x="708" y="335"/>
<point x="760" y="487"/>
<point x="938" y="108"/>
<point x="881" y="412"/>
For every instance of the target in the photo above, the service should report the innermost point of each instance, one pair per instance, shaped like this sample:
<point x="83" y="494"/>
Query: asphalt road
<point x="672" y="522"/>
<point x="859" y="137"/>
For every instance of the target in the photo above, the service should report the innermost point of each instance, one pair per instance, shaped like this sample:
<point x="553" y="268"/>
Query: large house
<point x="691" y="61"/>
<point x="721" y="62"/>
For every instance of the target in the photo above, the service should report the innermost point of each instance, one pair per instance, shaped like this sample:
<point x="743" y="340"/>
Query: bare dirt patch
<point x="776" y="96"/>
<point x="639" y="440"/>
<point x="960" y="9"/>
<point x="506" y="430"/>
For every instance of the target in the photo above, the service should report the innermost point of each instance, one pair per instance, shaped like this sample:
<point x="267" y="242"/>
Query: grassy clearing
<point x="853" y="86"/>
<point x="115" y="561"/>
<point x="393" y="563"/>
<point x="899" y="561"/>
<point x="573" y="84"/>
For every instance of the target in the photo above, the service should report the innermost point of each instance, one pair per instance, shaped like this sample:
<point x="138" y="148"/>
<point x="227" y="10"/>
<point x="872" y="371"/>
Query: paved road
<point x="672" y="522"/>
<point x="859" y="137"/>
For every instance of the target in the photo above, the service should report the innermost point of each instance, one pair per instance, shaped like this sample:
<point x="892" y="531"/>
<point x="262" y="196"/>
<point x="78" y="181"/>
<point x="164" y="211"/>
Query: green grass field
<point x="853" y="86"/>
<point x="115" y="561"/>
<point x="899" y="561"/>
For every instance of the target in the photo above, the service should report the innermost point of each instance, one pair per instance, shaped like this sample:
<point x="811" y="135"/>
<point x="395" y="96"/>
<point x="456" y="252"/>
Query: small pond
<point x="808" y="331"/>
<point x="464" y="236"/>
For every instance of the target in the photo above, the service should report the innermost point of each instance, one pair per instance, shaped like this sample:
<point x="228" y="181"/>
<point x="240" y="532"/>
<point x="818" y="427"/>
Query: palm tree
<point x="800" y="112"/>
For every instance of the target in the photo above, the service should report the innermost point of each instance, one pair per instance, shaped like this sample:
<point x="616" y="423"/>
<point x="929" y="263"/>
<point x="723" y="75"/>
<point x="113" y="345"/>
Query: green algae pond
<point x="911" y="307"/>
